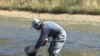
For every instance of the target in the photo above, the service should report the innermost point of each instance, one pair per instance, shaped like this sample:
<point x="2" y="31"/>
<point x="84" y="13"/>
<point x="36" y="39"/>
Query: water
<point x="83" y="40"/>
<point x="16" y="34"/>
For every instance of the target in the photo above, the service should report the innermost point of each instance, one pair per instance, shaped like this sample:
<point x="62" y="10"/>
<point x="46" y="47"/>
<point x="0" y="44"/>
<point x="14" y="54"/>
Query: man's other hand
<point x="45" y="42"/>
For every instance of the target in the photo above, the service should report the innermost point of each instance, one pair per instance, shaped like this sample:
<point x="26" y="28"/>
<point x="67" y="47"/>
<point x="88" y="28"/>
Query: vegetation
<point x="53" y="6"/>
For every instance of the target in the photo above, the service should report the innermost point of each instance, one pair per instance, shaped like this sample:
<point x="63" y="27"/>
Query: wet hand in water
<point x="29" y="49"/>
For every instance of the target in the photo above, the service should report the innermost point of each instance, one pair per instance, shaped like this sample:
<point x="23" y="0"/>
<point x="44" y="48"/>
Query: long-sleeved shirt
<point x="50" y="29"/>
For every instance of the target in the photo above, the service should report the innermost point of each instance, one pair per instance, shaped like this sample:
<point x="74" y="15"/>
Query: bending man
<point x="49" y="30"/>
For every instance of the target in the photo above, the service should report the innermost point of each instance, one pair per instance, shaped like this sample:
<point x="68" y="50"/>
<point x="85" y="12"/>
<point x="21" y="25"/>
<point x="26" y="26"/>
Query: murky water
<point x="16" y="34"/>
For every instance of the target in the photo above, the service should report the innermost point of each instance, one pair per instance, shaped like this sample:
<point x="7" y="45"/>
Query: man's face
<point x="37" y="27"/>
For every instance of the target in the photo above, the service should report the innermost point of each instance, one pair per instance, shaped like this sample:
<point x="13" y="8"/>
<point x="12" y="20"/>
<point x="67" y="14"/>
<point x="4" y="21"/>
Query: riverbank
<point x="69" y="17"/>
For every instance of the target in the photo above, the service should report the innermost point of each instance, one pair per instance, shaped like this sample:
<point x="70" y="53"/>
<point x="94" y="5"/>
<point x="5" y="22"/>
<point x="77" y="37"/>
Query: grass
<point x="53" y="6"/>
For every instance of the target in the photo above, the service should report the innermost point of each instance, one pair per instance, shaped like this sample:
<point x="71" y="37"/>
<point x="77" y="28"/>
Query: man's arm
<point x="38" y="44"/>
<point x="41" y="41"/>
<point x="43" y="37"/>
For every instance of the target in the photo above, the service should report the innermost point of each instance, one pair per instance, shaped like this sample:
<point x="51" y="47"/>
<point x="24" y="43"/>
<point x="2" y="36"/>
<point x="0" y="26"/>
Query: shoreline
<point x="46" y="16"/>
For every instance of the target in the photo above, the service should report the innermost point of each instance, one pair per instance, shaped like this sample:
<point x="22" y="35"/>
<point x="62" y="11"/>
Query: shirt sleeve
<point x="44" y="34"/>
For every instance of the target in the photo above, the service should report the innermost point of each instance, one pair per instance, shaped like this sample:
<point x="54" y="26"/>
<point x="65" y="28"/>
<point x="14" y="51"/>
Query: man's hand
<point x="29" y="49"/>
<point x="45" y="42"/>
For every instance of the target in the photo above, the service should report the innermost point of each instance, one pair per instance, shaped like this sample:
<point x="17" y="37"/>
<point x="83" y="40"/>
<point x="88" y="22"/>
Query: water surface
<point x="15" y="34"/>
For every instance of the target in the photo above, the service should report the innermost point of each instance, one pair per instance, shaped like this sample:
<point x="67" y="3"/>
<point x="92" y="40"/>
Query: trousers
<point x="56" y="45"/>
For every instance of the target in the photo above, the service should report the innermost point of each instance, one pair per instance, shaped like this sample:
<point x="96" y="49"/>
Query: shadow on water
<point x="15" y="34"/>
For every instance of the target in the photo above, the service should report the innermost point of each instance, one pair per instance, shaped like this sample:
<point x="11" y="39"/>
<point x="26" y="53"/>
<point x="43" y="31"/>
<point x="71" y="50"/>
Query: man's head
<point x="36" y="24"/>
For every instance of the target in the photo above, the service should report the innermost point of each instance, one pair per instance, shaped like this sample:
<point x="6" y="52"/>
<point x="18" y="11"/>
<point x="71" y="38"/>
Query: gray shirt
<point x="50" y="29"/>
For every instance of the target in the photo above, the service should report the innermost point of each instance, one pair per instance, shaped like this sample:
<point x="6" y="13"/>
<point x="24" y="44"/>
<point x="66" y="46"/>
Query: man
<point x="48" y="30"/>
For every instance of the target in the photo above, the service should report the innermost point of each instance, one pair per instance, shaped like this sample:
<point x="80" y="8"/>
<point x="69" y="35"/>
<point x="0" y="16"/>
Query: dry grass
<point x="53" y="6"/>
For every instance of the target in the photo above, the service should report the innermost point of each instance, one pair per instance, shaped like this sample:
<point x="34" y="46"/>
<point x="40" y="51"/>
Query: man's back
<point x="52" y="28"/>
<point x="53" y="25"/>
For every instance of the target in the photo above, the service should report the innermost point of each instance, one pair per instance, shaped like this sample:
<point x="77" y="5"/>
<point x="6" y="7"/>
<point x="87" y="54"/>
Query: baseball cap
<point x="35" y="21"/>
